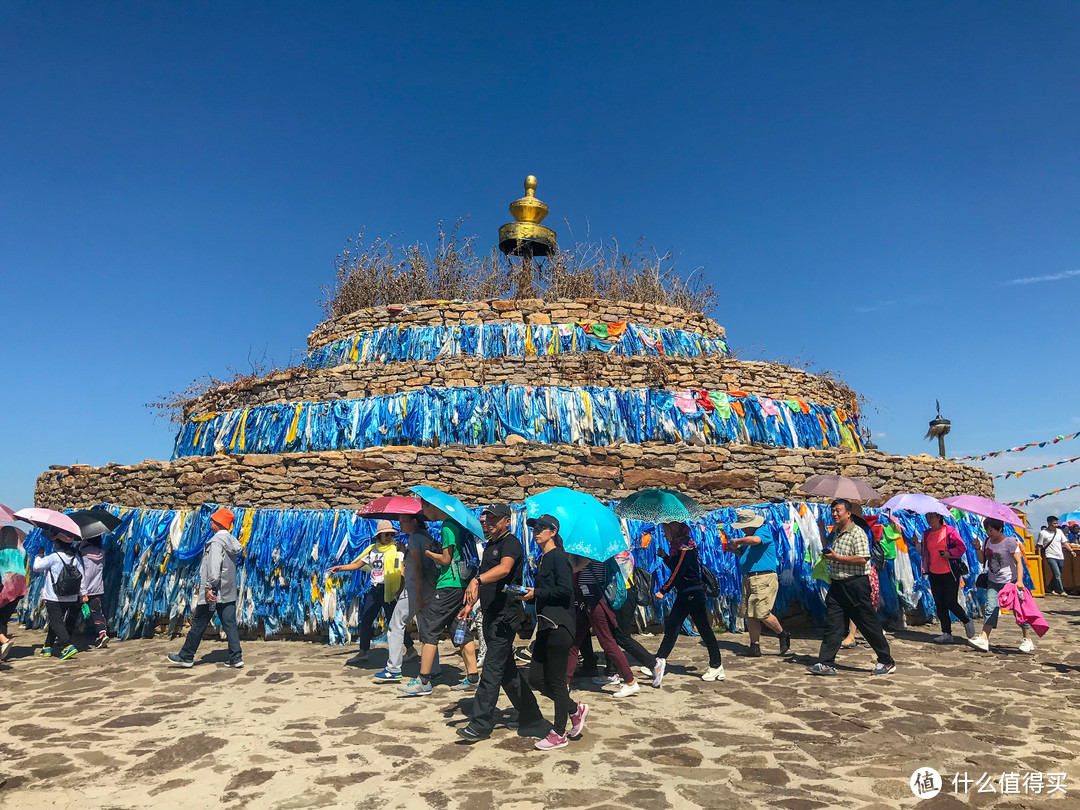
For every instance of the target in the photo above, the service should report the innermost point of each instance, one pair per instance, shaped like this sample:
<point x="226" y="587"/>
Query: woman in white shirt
<point x="1004" y="564"/>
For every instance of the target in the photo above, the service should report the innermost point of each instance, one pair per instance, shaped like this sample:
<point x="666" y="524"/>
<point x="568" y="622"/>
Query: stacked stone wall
<point x="525" y="310"/>
<point x="371" y="379"/>
<point x="715" y="476"/>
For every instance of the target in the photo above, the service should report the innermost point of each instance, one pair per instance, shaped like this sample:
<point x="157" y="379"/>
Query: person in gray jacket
<point x="217" y="574"/>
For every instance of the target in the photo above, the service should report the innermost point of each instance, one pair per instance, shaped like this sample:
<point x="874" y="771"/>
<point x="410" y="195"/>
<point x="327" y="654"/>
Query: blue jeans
<point x="1056" y="584"/>
<point x="372" y="605"/>
<point x="992" y="591"/>
<point x="201" y="620"/>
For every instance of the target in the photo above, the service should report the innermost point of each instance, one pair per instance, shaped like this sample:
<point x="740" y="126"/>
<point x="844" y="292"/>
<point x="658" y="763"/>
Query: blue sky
<point x="888" y="190"/>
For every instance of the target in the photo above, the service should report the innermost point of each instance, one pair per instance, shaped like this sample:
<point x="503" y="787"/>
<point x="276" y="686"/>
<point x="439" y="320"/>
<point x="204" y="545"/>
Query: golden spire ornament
<point x="525" y="236"/>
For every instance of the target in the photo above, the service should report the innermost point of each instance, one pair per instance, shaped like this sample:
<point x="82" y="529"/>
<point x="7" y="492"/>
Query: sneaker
<point x="46" y="652"/>
<point x="465" y="686"/>
<point x="410" y="654"/>
<point x="234" y="664"/>
<point x="714" y="674"/>
<point x="1027" y="646"/>
<point x="5" y="649"/>
<point x="884" y="669"/>
<point x="68" y="652"/>
<point x="753" y="651"/>
<point x="980" y="643"/>
<point x="658" y="672"/>
<point x="969" y="629"/>
<point x="551" y="742"/>
<point x="102" y="641"/>
<point x="435" y="676"/>
<point x="523" y="654"/>
<point x="469" y="734"/>
<point x="628" y="689"/>
<point x="386" y="676"/>
<point x="415" y="688"/>
<point x="944" y="638"/>
<point x="645" y="671"/>
<point x="821" y="669"/>
<point x="785" y="642"/>
<point x="607" y="680"/>
<point x="577" y="720"/>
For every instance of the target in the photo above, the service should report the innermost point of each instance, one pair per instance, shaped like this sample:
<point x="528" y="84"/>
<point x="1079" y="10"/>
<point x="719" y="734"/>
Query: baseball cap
<point x="543" y="522"/>
<point x="499" y="510"/>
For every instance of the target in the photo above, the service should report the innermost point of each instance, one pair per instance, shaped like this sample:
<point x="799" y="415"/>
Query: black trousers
<point x="95" y="624"/>
<point x="690" y="603"/>
<point x="547" y="672"/>
<point x="62" y="617"/>
<point x="6" y="612"/>
<point x="849" y="599"/>
<point x="946" y="591"/>
<point x="200" y="620"/>
<point x="500" y="671"/>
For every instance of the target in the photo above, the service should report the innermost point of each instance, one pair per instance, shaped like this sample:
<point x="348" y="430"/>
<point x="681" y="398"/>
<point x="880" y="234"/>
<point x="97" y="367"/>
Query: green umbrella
<point x="660" y="506"/>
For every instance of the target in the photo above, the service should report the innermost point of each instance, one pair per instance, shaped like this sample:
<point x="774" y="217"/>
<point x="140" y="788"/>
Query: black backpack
<point x="709" y="582"/>
<point x="70" y="579"/>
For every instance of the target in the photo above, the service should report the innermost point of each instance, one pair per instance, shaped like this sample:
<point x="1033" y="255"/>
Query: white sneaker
<point x="1027" y="646"/>
<point x="605" y="680"/>
<point x="944" y="638"/>
<point x="980" y="643"/>
<point x="714" y="674"/>
<point x="658" y="673"/>
<point x="969" y="629"/>
<point x="628" y="689"/>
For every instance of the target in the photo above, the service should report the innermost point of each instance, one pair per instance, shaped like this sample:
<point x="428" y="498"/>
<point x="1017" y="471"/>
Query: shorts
<point x="758" y="595"/>
<point x="439" y="613"/>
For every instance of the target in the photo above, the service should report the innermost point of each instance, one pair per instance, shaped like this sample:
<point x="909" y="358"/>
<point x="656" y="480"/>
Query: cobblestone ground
<point x="297" y="728"/>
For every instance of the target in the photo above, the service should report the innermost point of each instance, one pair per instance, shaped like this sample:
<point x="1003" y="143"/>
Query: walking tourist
<point x="682" y="560"/>
<point x="1004" y="564"/>
<point x="12" y="582"/>
<point x="940" y="544"/>
<point x="1050" y="541"/>
<point x="93" y="589"/>
<point x="421" y="574"/>
<point x="383" y="562"/>
<point x="553" y="595"/>
<point x="501" y="565"/>
<point x="217" y="593"/>
<point x="625" y="625"/>
<point x="848" y="599"/>
<point x="757" y="563"/>
<point x="594" y="613"/>
<point x="442" y="609"/>
<point x="60" y="592"/>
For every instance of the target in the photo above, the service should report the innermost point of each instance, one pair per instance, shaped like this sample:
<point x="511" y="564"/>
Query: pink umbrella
<point x="49" y="519"/>
<point x="984" y="507"/>
<point x="390" y="507"/>
<point x="840" y="486"/>
<point x="6" y="514"/>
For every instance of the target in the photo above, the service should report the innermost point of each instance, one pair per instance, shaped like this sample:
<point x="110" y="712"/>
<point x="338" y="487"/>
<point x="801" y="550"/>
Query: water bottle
<point x="460" y="629"/>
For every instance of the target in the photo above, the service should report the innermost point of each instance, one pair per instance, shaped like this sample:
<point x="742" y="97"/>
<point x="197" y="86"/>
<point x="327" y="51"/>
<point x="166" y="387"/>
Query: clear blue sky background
<point x="864" y="183"/>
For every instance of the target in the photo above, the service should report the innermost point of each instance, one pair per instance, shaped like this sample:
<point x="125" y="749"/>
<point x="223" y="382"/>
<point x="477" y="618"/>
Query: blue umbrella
<point x="1070" y="517"/>
<point x="454" y="509"/>
<point x="588" y="528"/>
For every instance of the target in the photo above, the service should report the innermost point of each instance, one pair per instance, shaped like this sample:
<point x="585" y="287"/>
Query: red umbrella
<point x="49" y="519"/>
<point x="390" y="507"/>
<point x="6" y="514"/>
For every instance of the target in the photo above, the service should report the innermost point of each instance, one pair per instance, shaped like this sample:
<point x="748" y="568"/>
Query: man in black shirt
<point x="501" y="565"/>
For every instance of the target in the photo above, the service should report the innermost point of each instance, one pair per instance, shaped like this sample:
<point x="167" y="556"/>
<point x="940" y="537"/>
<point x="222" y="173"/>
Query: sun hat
<point x="385" y="527"/>
<point x="223" y="517"/>
<point x="746" y="519"/>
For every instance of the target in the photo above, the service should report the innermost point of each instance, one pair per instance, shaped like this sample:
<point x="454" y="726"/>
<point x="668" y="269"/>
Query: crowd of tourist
<point x="476" y="594"/>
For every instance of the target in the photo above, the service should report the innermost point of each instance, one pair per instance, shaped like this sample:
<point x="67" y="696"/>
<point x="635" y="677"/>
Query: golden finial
<point x="525" y="236"/>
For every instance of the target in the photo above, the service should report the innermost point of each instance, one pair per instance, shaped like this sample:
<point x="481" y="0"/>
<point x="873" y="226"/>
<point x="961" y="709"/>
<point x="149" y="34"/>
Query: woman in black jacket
<point x="553" y="594"/>
<point x="682" y="561"/>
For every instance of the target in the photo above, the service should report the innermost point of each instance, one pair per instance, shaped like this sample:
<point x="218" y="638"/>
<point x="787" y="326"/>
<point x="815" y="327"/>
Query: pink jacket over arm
<point x="1023" y="607"/>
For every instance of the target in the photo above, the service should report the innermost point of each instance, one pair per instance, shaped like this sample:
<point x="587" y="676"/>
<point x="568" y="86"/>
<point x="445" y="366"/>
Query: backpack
<point x="468" y="564"/>
<point x="643" y="586"/>
<point x="709" y="582"/>
<point x="615" y="587"/>
<point x="70" y="579"/>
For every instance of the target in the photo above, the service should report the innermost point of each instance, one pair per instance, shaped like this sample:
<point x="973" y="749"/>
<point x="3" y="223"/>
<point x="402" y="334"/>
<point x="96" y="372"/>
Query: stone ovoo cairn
<point x="723" y="473"/>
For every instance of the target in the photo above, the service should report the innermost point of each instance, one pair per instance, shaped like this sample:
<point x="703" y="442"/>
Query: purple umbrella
<point x="984" y="507"/>
<point x="914" y="502"/>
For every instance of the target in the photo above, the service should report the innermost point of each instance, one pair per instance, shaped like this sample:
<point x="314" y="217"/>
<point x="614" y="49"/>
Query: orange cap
<point x="223" y="517"/>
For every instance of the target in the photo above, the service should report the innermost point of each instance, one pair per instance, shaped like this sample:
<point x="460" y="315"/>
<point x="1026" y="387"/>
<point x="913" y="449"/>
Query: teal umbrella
<point x="588" y="528"/>
<point x="660" y="506"/>
<point x="454" y="509"/>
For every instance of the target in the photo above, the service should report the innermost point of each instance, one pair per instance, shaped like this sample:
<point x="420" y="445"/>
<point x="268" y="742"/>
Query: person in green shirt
<point x="442" y="609"/>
